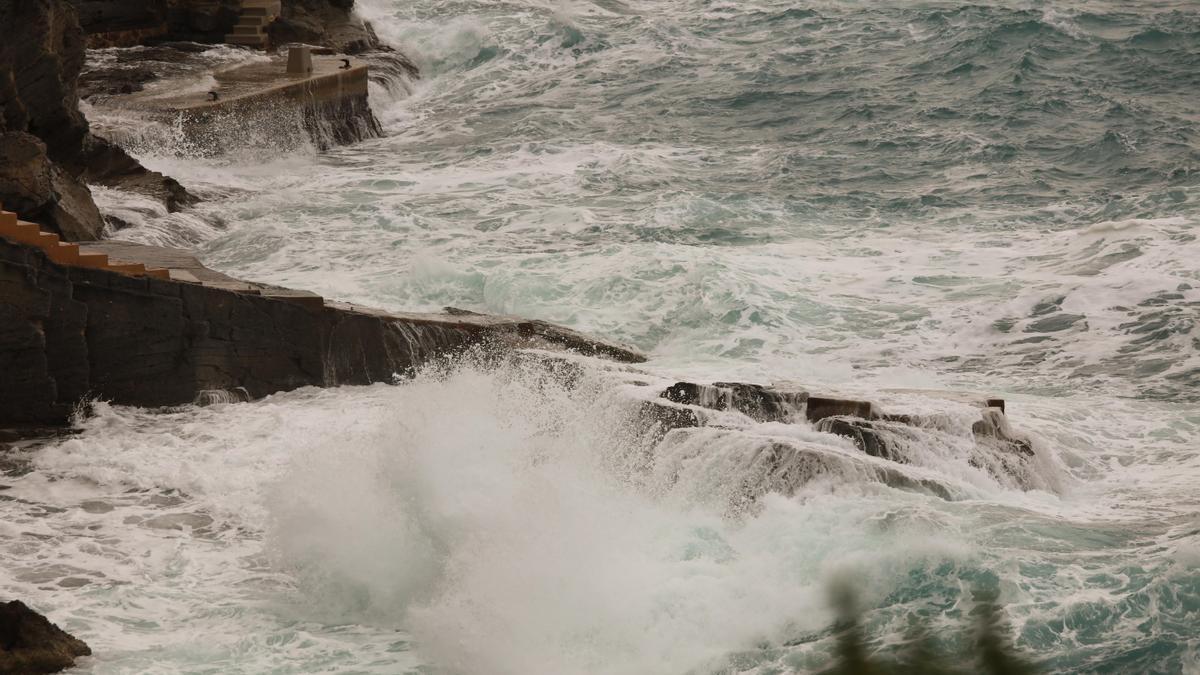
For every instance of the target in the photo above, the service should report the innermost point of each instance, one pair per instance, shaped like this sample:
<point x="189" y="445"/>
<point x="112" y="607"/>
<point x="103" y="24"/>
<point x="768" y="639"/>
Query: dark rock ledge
<point x="29" y="643"/>
<point x="69" y="334"/>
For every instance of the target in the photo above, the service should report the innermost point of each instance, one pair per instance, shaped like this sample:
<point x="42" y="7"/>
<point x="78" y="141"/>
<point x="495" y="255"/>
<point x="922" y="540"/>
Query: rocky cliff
<point x="47" y="153"/>
<point x="124" y="23"/>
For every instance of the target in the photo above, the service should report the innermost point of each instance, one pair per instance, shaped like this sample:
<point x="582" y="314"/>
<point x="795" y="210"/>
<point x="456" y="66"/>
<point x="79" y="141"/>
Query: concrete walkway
<point x="255" y="84"/>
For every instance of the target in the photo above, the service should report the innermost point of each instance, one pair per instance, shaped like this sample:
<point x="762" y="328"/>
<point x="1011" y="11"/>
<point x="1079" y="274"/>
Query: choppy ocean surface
<point x="864" y="198"/>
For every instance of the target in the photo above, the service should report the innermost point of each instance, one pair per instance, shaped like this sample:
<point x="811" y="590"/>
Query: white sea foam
<point x="680" y="177"/>
<point x="492" y="517"/>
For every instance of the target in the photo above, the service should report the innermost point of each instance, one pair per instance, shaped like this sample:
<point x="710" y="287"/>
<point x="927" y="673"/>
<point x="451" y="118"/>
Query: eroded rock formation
<point x="328" y="23"/>
<point x="47" y="152"/>
<point x="30" y="644"/>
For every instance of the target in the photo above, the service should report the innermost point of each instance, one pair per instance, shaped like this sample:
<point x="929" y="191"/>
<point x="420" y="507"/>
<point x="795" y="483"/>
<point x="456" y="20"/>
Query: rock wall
<point x="329" y="23"/>
<point x="30" y="644"/>
<point x="69" y="333"/>
<point x="121" y="23"/>
<point x="47" y="152"/>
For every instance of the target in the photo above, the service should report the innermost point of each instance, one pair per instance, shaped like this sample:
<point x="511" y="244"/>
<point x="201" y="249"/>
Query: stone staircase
<point x="66" y="253"/>
<point x="251" y="27"/>
<point x="160" y="263"/>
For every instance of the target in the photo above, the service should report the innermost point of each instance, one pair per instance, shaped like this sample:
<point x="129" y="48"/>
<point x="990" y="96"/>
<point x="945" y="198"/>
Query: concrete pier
<point x="262" y="104"/>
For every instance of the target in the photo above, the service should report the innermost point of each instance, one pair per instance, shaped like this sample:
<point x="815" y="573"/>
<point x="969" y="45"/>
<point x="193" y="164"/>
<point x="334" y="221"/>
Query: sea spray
<point x="504" y="541"/>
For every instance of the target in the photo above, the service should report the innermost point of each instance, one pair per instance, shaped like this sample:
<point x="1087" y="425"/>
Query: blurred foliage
<point x="990" y="651"/>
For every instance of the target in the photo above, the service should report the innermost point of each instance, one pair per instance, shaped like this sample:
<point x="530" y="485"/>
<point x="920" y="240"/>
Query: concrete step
<point x="26" y="233"/>
<point x="98" y="261"/>
<point x="249" y="40"/>
<point x="247" y="30"/>
<point x="256" y="11"/>
<point x="68" y="253"/>
<point x="132" y="269"/>
<point x="64" y="253"/>
<point x="46" y="240"/>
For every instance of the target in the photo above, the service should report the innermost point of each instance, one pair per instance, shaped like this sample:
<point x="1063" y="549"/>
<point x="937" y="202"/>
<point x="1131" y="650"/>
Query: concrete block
<point x="299" y="61"/>
<point x="64" y="254"/>
<point x="26" y="233"/>
<point x="136" y="269"/>
<point x="97" y="261"/>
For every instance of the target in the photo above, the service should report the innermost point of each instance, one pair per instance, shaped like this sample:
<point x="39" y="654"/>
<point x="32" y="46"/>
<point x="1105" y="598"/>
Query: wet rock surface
<point x="30" y="644"/>
<point x="43" y="191"/>
<point x="863" y="433"/>
<point x="892" y="437"/>
<point x="755" y="401"/>
<point x="104" y="163"/>
<point x="329" y="23"/>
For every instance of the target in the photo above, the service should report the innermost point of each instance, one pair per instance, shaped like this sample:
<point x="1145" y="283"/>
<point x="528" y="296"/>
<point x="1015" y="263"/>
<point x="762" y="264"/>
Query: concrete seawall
<point x="268" y="83"/>
<point x="70" y="333"/>
<point x="262" y="103"/>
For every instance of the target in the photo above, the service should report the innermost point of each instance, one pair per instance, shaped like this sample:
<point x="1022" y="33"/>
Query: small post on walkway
<point x="299" y="61"/>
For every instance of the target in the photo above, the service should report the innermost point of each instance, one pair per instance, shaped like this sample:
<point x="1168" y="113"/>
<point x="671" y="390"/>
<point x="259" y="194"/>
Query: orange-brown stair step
<point x="26" y="233"/>
<point x="46" y="240"/>
<point x="64" y="253"/>
<point x="135" y="269"/>
<point x="94" y="260"/>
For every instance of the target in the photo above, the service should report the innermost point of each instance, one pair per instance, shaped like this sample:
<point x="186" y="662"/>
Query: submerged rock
<point x="178" y="521"/>
<point x="29" y="643"/>
<point x="863" y="433"/>
<point x="787" y="466"/>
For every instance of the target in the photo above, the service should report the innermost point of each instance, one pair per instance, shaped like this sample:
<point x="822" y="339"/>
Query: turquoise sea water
<point x="863" y="198"/>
